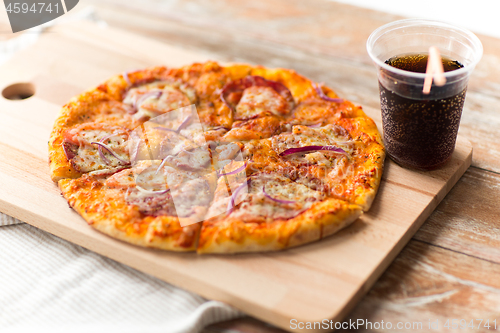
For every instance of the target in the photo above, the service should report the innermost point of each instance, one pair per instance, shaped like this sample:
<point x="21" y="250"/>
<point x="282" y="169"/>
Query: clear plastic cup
<point x="420" y="130"/>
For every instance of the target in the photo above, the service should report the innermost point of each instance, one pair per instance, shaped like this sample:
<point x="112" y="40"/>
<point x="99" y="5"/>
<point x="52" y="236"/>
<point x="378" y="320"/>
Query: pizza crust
<point x="106" y="210"/>
<point x="233" y="235"/>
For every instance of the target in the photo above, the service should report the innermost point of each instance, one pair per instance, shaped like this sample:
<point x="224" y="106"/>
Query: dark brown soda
<point x="420" y="131"/>
<point x="418" y="63"/>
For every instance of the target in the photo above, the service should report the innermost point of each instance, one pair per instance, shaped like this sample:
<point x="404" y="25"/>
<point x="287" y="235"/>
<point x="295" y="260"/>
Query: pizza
<point x="215" y="159"/>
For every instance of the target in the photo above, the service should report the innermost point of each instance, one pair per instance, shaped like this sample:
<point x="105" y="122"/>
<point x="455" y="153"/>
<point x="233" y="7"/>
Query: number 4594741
<point x="35" y="8"/>
<point x="472" y="324"/>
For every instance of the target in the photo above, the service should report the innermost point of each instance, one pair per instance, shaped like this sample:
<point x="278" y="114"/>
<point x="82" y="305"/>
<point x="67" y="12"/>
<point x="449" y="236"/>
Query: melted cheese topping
<point x="225" y="154"/>
<point x="163" y="190"/>
<point x="87" y="157"/>
<point x="195" y="133"/>
<point x="170" y="99"/>
<point x="187" y="192"/>
<point x="156" y="144"/>
<point x="143" y="173"/>
<point x="257" y="204"/>
<point x="318" y="158"/>
<point x="257" y="99"/>
<point x="303" y="136"/>
<point x="154" y="99"/>
<point x="195" y="160"/>
<point x="191" y="194"/>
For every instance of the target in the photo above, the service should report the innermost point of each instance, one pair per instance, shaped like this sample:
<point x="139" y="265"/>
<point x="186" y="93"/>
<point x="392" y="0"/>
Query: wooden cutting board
<point x="323" y="280"/>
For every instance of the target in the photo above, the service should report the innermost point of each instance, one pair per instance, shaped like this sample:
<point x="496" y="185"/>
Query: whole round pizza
<point x="216" y="159"/>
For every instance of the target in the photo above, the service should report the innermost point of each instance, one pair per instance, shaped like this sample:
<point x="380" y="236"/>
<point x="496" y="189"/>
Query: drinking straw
<point x="434" y="70"/>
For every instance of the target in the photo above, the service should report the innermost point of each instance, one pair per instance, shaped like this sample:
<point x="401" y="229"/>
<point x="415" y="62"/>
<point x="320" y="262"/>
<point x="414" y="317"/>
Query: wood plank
<point x="422" y="285"/>
<point x="323" y="40"/>
<point x="467" y="221"/>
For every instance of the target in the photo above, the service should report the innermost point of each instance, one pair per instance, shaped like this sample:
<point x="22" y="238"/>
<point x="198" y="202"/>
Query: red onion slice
<point x="164" y="129"/>
<point x="126" y="78"/>
<point x="161" y="165"/>
<point x="184" y="124"/>
<point x="143" y="190"/>
<point x="277" y="200"/>
<point x="140" y="99"/>
<point x="253" y="80"/>
<point x="241" y="168"/>
<point x="231" y="204"/>
<point x="99" y="149"/>
<point x="219" y="128"/>
<point x="239" y="86"/>
<point x="245" y="119"/>
<point x="170" y="157"/>
<point x="107" y="172"/>
<point x="312" y="148"/>
<point x="323" y="95"/>
<point x="129" y="108"/>
<point x="103" y="158"/>
<point x="110" y="151"/>
<point x="181" y="126"/>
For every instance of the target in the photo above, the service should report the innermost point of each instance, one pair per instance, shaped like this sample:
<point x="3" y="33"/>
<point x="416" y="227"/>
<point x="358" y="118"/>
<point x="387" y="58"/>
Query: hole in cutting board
<point x="18" y="91"/>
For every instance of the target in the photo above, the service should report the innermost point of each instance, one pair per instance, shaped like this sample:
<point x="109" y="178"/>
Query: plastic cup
<point x="420" y="130"/>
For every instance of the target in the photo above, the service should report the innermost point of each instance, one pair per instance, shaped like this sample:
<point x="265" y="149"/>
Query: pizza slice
<point x="116" y="207"/>
<point x="344" y="162"/>
<point x="268" y="212"/>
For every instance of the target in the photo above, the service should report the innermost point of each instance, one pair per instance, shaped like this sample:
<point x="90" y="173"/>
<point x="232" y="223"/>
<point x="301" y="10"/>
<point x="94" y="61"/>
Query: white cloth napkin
<point x="7" y="220"/>
<point x="50" y="285"/>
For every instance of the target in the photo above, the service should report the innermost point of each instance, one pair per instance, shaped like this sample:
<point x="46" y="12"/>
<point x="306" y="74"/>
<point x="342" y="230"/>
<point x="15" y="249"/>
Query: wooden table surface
<point x="451" y="267"/>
